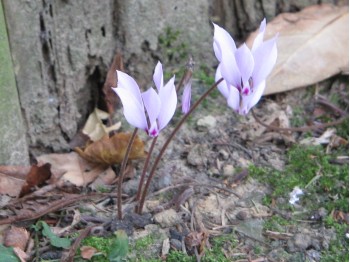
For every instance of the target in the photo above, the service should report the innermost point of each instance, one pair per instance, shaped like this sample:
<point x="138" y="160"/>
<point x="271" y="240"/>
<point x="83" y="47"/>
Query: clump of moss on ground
<point x="311" y="167"/>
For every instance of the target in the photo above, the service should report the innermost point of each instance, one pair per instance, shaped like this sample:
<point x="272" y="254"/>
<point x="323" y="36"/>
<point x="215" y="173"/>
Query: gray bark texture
<point x="62" y="49"/>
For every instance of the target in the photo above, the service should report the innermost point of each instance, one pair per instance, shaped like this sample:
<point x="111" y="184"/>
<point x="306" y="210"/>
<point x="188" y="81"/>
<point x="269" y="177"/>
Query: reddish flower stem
<point x="143" y="175"/>
<point x="167" y="142"/>
<point x="121" y="174"/>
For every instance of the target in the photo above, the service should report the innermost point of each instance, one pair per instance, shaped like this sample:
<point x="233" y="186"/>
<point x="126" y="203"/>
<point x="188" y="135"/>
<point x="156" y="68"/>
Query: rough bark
<point x="13" y="146"/>
<point x="61" y="51"/>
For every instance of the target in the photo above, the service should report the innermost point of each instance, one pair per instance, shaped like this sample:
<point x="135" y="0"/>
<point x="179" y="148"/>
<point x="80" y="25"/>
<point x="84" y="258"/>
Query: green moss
<point x="277" y="224"/>
<point x="309" y="167"/>
<point x="144" y="242"/>
<point x="102" y="245"/>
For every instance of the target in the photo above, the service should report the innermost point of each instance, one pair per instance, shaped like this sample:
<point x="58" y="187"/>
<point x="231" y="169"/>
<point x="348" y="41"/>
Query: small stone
<point x="167" y="218"/>
<point x="242" y="215"/>
<point x="213" y="171"/>
<point x="229" y="170"/>
<point x="224" y="154"/>
<point x="206" y="122"/>
<point x="175" y="244"/>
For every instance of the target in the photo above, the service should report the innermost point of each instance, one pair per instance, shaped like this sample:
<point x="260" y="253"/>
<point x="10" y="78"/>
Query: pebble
<point x="229" y="170"/>
<point x="206" y="122"/>
<point x="167" y="218"/>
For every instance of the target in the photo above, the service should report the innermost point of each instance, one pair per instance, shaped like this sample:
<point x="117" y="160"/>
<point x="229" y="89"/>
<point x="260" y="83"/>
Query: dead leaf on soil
<point x="10" y="185"/>
<point x="312" y="45"/>
<point x="111" y="150"/>
<point x="23" y="257"/>
<point x="16" y="237"/>
<point x="75" y="169"/>
<point x="110" y="96"/>
<point x="87" y="252"/>
<point x="36" y="177"/>
<point x="94" y="127"/>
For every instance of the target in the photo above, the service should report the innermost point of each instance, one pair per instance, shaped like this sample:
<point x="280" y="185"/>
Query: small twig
<point x="74" y="247"/>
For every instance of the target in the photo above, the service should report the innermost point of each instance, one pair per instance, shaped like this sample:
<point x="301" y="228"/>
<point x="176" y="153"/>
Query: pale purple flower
<point x="150" y="110"/>
<point x="186" y="97"/>
<point x="244" y="70"/>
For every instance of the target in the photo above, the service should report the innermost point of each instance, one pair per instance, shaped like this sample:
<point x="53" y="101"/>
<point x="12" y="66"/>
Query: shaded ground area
<point x="226" y="190"/>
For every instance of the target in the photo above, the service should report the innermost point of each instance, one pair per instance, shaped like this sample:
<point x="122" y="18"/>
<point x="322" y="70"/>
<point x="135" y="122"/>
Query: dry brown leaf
<point x="312" y="45"/>
<point x="87" y="252"/>
<point x="111" y="150"/>
<point x="110" y="96"/>
<point x="19" y="172"/>
<point x="10" y="185"/>
<point x="76" y="170"/>
<point x="16" y="237"/>
<point x="23" y="257"/>
<point x="36" y="177"/>
<point x="94" y="127"/>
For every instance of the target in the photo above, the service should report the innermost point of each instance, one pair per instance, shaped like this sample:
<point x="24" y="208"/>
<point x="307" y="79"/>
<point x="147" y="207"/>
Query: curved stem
<point x="143" y="175"/>
<point x="167" y="142"/>
<point x="121" y="174"/>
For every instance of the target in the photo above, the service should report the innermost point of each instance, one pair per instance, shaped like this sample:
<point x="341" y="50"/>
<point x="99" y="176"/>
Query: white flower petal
<point x="265" y="57"/>
<point x="256" y="95"/>
<point x="222" y="86"/>
<point x="245" y="62"/>
<point x="259" y="38"/>
<point x="233" y="99"/>
<point x="152" y="103"/>
<point x="134" y="111"/>
<point x="229" y="69"/>
<point x="223" y="42"/>
<point x="127" y="82"/>
<point x="168" y="99"/>
<point x="158" y="76"/>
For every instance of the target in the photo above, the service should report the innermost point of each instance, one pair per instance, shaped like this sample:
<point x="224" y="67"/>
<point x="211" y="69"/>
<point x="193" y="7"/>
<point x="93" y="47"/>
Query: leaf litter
<point x="194" y="199"/>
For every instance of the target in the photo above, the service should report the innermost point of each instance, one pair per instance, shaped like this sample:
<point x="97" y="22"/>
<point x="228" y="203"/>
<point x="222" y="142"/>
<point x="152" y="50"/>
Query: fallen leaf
<point x="36" y="177"/>
<point x="19" y="172"/>
<point x="87" y="252"/>
<point x="16" y="237"/>
<point x="313" y="45"/>
<point x="324" y="139"/>
<point x="23" y="257"/>
<point x="10" y="185"/>
<point x="111" y="150"/>
<point x="94" y="127"/>
<point x="110" y="96"/>
<point x="75" y="169"/>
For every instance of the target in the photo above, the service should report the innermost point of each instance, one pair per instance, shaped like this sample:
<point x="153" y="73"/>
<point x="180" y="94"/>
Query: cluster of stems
<point x="143" y="189"/>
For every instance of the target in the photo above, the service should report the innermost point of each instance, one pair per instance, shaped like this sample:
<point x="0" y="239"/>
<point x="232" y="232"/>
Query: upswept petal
<point x="133" y="110"/>
<point x="222" y="86"/>
<point x="259" y="38"/>
<point x="229" y="69"/>
<point x="186" y="97"/>
<point x="233" y="99"/>
<point x="168" y="98"/>
<point x="256" y="95"/>
<point x="265" y="57"/>
<point x="152" y="104"/>
<point x="158" y="76"/>
<point x="127" y="82"/>
<point x="245" y="62"/>
<point x="222" y="42"/>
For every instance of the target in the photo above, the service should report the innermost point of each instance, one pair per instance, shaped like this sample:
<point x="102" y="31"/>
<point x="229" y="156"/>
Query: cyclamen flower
<point x="244" y="70"/>
<point x="150" y="110"/>
<point x="186" y="97"/>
